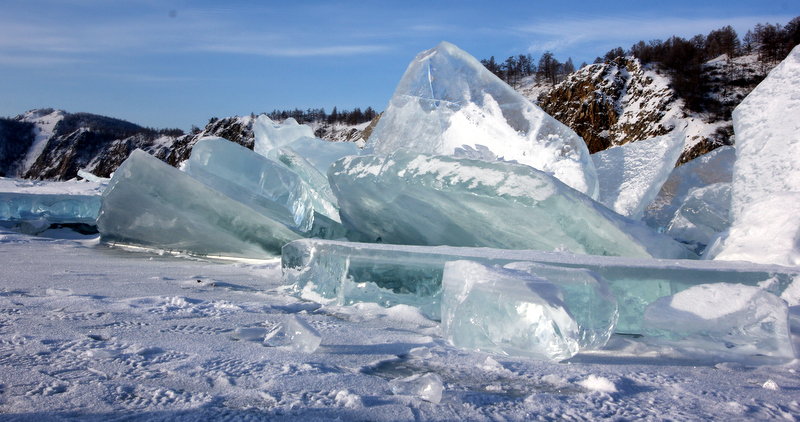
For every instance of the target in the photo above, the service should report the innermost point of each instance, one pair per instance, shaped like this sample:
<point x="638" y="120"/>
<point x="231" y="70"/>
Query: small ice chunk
<point x="411" y="198"/>
<point x="269" y="134"/>
<point x="702" y="216"/>
<point x="427" y="387"/>
<point x="631" y="175"/>
<point x="447" y="102"/>
<point x="515" y="311"/>
<point x="250" y="333"/>
<point x="598" y="384"/>
<point x="707" y="169"/>
<point x="296" y="334"/>
<point x="722" y="319"/>
<point x="770" y="385"/>
<point x="152" y="204"/>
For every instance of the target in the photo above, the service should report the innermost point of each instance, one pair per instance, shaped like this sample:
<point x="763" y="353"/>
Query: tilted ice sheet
<point x="348" y="272"/>
<point x="448" y="103"/>
<point x="269" y="134"/>
<point x="702" y="216"/>
<point x="152" y="204"/>
<point x="276" y="189"/>
<point x="319" y="152"/>
<point x="707" y="169"/>
<point x="631" y="175"/>
<point x="410" y="198"/>
<point x="525" y="309"/>
<point x="766" y="175"/>
<point x="726" y="320"/>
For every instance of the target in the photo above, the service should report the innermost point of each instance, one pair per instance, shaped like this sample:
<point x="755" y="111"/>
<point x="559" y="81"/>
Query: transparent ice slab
<point x="319" y="152"/>
<point x="152" y="204"/>
<point x="270" y="134"/>
<point x="707" y="169"/>
<point x="702" y="216"/>
<point x="289" y="191"/>
<point x="448" y="103"/>
<point x="411" y="198"/>
<point x="631" y="175"/>
<point x="349" y="272"/>
<point x="526" y="309"/>
<point x="727" y="321"/>
<point x="54" y="208"/>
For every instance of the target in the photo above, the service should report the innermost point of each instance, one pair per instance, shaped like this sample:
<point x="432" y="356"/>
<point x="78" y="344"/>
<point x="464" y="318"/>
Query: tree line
<point x="318" y="115"/>
<point x="548" y="68"/>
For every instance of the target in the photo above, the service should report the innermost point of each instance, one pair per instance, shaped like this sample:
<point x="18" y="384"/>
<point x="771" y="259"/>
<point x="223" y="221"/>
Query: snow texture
<point x="152" y="204"/>
<point x="632" y="174"/>
<point x="765" y="193"/>
<point x="722" y="319"/>
<point x="525" y="309"/>
<point x="410" y="198"/>
<point x="447" y="103"/>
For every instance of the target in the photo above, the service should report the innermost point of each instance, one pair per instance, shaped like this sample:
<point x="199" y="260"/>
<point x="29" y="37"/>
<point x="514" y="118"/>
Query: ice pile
<point x="295" y="334"/>
<point x="349" y="272"/>
<point x="300" y="199"/>
<point x="723" y="320"/>
<point x="411" y="198"/>
<point x="153" y="204"/>
<point x="765" y="193"/>
<point x="447" y="103"/>
<point x="427" y="386"/>
<point x="526" y="309"/>
<point x="631" y="175"/>
<point x="55" y="208"/>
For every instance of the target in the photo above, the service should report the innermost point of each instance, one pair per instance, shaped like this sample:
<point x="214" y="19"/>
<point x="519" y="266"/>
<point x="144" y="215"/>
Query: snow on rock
<point x="448" y="103"/>
<point x="427" y="387"/>
<point x="45" y="121"/>
<point x="724" y="320"/>
<point x="765" y="199"/>
<point x="296" y="334"/>
<point x="631" y="175"/>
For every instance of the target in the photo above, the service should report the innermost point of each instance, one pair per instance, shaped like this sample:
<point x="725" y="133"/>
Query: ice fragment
<point x="427" y="386"/>
<point x="295" y="334"/>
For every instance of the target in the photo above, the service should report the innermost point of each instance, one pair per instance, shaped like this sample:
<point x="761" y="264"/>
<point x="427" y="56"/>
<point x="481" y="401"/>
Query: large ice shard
<point x="152" y="204"/>
<point x="348" y="272"/>
<point x="727" y="321"/>
<point x="410" y="198"/>
<point x="447" y="103"/>
<point x="765" y="192"/>
<point x="631" y="175"/>
<point x="707" y="169"/>
<point x="54" y="208"/>
<point x="269" y="134"/>
<point x="526" y="309"/>
<point x="702" y="216"/>
<point x="291" y="191"/>
<point x="318" y="152"/>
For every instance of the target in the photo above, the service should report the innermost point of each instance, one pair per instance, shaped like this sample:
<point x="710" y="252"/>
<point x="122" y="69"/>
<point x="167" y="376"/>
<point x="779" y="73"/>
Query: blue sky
<point x="174" y="63"/>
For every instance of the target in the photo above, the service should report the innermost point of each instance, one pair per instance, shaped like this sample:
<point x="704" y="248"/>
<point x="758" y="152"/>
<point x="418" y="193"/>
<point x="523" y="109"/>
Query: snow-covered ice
<point x="631" y="175"/>
<point x="765" y="191"/>
<point x="411" y="198"/>
<point x="525" y="309"/>
<point x="152" y="204"/>
<point x="447" y="103"/>
<point x="723" y="320"/>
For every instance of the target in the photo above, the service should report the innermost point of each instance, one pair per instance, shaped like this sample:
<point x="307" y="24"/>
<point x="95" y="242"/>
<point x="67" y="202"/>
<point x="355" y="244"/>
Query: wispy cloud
<point x="554" y="34"/>
<point x="293" y="51"/>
